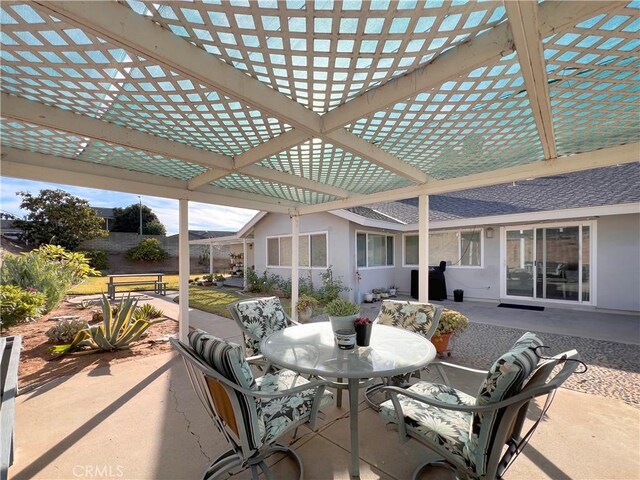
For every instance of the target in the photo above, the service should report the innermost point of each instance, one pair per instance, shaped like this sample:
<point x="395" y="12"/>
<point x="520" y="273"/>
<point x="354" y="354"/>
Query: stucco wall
<point x="338" y="234"/>
<point x="618" y="262"/>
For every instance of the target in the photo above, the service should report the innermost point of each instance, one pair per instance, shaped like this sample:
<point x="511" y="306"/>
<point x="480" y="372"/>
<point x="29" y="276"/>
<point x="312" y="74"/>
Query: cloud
<point x="201" y="216"/>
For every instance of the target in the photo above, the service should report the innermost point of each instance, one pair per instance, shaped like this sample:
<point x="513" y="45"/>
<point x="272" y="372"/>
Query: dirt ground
<point x="38" y="366"/>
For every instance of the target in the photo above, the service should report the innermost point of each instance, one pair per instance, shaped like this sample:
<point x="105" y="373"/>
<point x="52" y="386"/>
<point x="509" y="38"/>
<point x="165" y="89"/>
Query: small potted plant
<point x="363" y="328"/>
<point x="384" y="293"/>
<point x="219" y="279"/>
<point x="207" y="280"/>
<point x="451" y="323"/>
<point x="342" y="313"/>
<point x="376" y="294"/>
<point x="393" y="290"/>
<point x="305" y="306"/>
<point x="368" y="298"/>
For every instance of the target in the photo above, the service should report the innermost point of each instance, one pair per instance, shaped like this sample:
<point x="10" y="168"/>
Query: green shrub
<point x="65" y="331"/>
<point x="331" y="287"/>
<point x="147" y="312"/>
<point x="49" y="269"/>
<point x="148" y="250"/>
<point x="116" y="332"/>
<point x="98" y="259"/>
<point x="267" y="283"/>
<point x="18" y="305"/>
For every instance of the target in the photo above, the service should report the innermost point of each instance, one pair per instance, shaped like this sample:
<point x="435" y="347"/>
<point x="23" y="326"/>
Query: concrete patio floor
<point x="141" y="420"/>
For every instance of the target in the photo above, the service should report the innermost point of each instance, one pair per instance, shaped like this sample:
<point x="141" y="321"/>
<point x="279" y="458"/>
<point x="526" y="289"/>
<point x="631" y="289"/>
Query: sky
<point x="201" y="216"/>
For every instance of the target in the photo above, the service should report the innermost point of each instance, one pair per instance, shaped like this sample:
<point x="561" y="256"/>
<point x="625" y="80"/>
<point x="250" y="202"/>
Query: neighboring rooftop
<point x="590" y="188"/>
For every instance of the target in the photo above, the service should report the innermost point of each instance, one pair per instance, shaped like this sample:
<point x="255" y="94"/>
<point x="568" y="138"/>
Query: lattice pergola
<point x="304" y="106"/>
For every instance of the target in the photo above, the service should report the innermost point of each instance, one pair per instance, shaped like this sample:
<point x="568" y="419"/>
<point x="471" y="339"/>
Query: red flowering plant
<point x="361" y="321"/>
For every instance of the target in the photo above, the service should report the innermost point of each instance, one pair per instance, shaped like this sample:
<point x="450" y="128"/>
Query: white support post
<point x="211" y="259"/>
<point x="183" y="268"/>
<point x="244" y="264"/>
<point x="295" y="261"/>
<point x="423" y="248"/>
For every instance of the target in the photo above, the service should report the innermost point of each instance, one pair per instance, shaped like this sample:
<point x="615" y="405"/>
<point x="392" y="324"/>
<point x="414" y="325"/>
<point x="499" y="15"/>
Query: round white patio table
<point x="311" y="348"/>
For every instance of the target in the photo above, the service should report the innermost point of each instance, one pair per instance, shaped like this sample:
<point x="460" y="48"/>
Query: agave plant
<point x="116" y="332"/>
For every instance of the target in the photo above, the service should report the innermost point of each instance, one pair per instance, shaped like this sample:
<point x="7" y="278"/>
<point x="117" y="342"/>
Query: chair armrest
<point x="290" y="391"/>
<point x="459" y="367"/>
<point x="441" y="370"/>
<point x="395" y="391"/>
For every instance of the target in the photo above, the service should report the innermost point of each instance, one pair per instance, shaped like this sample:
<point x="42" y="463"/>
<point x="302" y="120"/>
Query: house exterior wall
<point x="337" y="255"/>
<point x="617" y="266"/>
<point x="618" y="262"/>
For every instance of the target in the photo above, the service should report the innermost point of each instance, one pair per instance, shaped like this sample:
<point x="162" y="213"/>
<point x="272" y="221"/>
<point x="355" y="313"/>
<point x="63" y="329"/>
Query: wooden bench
<point x="159" y="286"/>
<point x="9" y="359"/>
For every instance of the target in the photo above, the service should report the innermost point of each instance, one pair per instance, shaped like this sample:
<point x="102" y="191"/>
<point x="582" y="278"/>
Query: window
<point x="457" y="247"/>
<point x="312" y="251"/>
<point x="374" y="250"/>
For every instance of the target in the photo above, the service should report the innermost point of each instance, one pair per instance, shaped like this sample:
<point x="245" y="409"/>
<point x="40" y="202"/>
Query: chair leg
<point x="222" y="465"/>
<point x="339" y="395"/>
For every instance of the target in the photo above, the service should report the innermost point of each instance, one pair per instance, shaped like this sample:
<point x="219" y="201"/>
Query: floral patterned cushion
<point x="281" y="412"/>
<point x="447" y="429"/>
<point x="228" y="360"/>
<point x="505" y="378"/>
<point x="413" y="316"/>
<point x="260" y="317"/>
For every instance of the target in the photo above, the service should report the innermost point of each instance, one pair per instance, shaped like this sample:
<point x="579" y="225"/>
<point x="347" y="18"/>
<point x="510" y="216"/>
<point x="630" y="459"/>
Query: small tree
<point x="59" y="218"/>
<point x="128" y="220"/>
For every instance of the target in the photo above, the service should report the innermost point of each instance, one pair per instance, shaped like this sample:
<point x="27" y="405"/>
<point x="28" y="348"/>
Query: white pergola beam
<point x="523" y="18"/>
<point x="605" y="157"/>
<point x="272" y="175"/>
<point x="122" y="26"/>
<point x="84" y="126"/>
<point x="483" y="50"/>
<point x="39" y="114"/>
<point x="49" y="168"/>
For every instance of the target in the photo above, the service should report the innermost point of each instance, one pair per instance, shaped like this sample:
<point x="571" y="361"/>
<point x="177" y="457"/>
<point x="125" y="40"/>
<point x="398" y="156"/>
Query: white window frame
<point x="309" y="234"/>
<point x="434" y="261"/>
<point x="382" y="234"/>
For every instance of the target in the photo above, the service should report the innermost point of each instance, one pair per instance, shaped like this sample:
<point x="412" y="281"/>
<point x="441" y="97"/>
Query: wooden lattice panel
<point x="34" y="138"/>
<point x="471" y="125"/>
<point x="594" y="74"/>
<point x="321" y="53"/>
<point x="49" y="61"/>
<point x="331" y="165"/>
<point x="245" y="183"/>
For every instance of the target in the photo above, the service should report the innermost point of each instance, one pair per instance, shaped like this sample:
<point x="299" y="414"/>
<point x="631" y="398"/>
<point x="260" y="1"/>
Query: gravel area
<point x="614" y="368"/>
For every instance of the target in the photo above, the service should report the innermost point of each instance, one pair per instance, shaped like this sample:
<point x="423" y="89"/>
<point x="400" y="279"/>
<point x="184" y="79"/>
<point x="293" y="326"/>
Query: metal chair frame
<point x="508" y="431"/>
<point x="241" y="455"/>
<point x="402" y="379"/>
<point x="258" y="359"/>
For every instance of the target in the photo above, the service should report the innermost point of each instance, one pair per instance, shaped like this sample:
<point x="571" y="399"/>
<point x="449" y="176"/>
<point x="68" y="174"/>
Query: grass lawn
<point x="215" y="300"/>
<point x="93" y="285"/>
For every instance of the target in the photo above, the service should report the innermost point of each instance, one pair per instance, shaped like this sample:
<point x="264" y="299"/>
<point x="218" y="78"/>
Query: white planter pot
<point x="392" y="292"/>
<point x="368" y="297"/>
<point x="342" y="323"/>
<point x="305" y="315"/>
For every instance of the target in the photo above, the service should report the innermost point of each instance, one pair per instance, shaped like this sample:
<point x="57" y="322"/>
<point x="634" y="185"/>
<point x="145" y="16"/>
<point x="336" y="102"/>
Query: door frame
<point x="592" y="224"/>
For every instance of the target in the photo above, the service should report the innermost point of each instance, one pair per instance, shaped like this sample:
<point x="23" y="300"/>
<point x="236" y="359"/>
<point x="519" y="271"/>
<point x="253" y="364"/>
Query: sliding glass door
<point x="548" y="262"/>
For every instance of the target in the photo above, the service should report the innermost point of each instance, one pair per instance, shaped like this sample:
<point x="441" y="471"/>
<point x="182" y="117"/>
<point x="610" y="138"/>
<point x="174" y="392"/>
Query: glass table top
<point x="311" y="348"/>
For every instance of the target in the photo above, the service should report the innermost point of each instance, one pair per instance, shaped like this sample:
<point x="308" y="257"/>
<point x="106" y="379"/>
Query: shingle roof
<point x="590" y="188"/>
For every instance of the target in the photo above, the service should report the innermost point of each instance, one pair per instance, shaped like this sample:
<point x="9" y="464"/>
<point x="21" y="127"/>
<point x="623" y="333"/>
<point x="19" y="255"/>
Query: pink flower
<point x="362" y="321"/>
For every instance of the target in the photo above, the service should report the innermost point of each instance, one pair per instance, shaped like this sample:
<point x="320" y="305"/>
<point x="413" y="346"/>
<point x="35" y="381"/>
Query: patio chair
<point x="252" y="414"/>
<point x="420" y="318"/>
<point x="471" y="433"/>
<point x="258" y="318"/>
